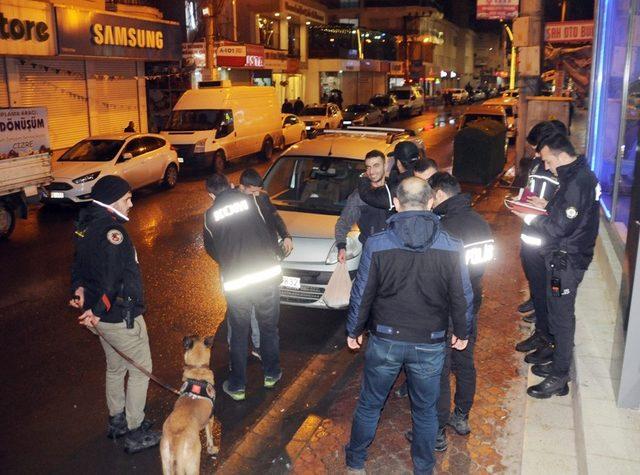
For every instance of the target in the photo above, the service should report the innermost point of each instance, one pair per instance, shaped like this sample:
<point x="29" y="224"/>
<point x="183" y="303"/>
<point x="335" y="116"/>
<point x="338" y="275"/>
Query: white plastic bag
<point x="338" y="290"/>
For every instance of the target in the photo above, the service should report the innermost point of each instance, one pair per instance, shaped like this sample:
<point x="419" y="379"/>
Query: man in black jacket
<point x="569" y="232"/>
<point x="237" y="238"/>
<point x="107" y="286"/>
<point x="408" y="319"/>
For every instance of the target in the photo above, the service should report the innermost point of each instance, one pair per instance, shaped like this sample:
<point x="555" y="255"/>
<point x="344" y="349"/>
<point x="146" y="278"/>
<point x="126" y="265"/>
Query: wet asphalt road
<point x="53" y="405"/>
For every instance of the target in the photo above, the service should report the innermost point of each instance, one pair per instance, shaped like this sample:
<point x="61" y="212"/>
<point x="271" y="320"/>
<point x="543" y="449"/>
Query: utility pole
<point x="210" y="11"/>
<point x="512" y="68"/>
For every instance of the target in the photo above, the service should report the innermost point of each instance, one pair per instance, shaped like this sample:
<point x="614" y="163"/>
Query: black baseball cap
<point x="406" y="152"/>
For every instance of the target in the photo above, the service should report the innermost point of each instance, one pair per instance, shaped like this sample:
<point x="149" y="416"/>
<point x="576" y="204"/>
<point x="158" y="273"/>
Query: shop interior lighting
<point x="288" y="17"/>
<point x="307" y="23"/>
<point x="206" y="11"/>
<point x="277" y="14"/>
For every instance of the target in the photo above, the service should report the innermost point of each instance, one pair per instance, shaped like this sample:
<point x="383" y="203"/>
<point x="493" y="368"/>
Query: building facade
<point x="85" y="64"/>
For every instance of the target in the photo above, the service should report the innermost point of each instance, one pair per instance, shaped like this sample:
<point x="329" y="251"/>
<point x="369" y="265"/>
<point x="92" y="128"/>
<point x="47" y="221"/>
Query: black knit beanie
<point x="109" y="189"/>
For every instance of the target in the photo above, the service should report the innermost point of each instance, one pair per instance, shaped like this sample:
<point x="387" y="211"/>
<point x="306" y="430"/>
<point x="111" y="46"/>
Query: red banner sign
<point x="569" y="32"/>
<point x="497" y="9"/>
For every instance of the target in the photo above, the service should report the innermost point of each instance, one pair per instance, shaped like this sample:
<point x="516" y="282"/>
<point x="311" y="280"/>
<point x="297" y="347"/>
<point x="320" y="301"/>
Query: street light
<point x="512" y="69"/>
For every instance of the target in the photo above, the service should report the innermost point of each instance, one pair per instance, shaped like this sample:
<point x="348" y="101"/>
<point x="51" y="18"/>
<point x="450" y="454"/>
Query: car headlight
<point x="86" y="178"/>
<point x="353" y="248"/>
<point x="200" y="146"/>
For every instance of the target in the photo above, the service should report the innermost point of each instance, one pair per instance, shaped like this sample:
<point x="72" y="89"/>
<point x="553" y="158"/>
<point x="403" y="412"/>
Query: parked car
<point x="458" y="95"/>
<point x="410" y="99"/>
<point x="310" y="184"/>
<point x="388" y="105"/>
<point x="218" y="122"/>
<point x="510" y="106"/>
<point x="293" y="130"/>
<point x="478" y="95"/>
<point x="361" y="114"/>
<point x="141" y="159"/>
<point x="321" y="116"/>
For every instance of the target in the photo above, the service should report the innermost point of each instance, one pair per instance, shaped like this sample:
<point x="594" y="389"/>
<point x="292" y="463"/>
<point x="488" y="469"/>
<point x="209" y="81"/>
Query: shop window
<point x="269" y="32"/>
<point x="329" y="81"/>
<point x="294" y="40"/>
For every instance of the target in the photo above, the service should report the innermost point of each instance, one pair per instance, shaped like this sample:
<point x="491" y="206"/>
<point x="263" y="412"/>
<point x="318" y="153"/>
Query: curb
<point x="260" y="445"/>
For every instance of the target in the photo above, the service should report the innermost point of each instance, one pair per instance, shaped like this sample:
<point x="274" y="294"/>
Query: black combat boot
<point x="460" y="422"/>
<point x="526" y="307"/>
<point x="535" y="341"/>
<point x="141" y="438"/>
<point x="550" y="386"/>
<point x="117" y="426"/>
<point x="542" y="370"/>
<point x="542" y="355"/>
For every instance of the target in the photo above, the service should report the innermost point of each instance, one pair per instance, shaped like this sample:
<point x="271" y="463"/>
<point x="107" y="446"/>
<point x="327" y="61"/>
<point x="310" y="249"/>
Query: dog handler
<point x="107" y="286"/>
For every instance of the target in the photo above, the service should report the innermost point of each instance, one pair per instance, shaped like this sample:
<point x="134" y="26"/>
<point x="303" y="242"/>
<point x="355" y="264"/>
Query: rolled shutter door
<point x="116" y="97"/>
<point x="60" y="86"/>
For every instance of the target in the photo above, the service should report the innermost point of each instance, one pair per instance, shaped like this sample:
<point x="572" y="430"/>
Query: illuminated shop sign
<point x="25" y="29"/>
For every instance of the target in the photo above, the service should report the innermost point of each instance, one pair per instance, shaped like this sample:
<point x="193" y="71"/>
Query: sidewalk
<point x="495" y="443"/>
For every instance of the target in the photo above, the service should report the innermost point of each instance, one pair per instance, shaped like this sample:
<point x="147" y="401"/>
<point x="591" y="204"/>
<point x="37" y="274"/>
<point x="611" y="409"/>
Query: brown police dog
<point x="180" y="445"/>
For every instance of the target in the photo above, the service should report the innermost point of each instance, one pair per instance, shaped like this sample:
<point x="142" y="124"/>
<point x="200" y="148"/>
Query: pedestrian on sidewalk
<point x="460" y="220"/>
<point x="298" y="106"/>
<point x="287" y="107"/>
<point x="251" y="184"/>
<point x="237" y="238"/>
<point x="569" y="232"/>
<point x="541" y="187"/>
<point x="107" y="287"/>
<point x="408" y="320"/>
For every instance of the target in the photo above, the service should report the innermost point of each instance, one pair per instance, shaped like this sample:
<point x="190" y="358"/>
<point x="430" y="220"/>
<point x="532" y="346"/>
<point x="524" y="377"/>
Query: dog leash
<point x="136" y="365"/>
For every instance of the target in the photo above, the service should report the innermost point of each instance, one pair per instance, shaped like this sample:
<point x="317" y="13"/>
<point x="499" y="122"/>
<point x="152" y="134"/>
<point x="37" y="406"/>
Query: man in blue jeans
<point x="408" y="319"/>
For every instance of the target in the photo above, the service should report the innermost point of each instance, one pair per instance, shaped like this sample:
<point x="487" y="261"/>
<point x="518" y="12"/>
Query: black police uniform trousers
<point x="462" y="365"/>
<point x="265" y="299"/>
<point x="562" y="316"/>
<point x="535" y="271"/>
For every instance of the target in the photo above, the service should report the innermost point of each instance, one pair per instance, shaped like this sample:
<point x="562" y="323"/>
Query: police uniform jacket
<point x="543" y="184"/>
<point x="106" y="265"/>
<point x="238" y="239"/>
<point x="460" y="220"/>
<point x="411" y="279"/>
<point x="573" y="215"/>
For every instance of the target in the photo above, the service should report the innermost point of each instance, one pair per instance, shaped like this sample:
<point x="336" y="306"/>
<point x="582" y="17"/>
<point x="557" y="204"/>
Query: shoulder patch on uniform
<point x="114" y="236"/>
<point x="571" y="212"/>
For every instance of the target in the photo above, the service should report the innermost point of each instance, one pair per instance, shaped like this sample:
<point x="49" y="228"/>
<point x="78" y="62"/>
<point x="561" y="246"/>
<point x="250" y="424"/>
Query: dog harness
<point x="199" y="389"/>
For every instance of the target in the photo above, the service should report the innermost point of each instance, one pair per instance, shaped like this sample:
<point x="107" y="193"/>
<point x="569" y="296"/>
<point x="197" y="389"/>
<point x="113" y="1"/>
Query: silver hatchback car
<point x="310" y="184"/>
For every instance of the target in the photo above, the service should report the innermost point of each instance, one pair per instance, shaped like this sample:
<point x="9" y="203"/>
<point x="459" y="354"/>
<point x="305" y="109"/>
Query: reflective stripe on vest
<point x="479" y="252"/>
<point x="251" y="279"/>
<point x="531" y="240"/>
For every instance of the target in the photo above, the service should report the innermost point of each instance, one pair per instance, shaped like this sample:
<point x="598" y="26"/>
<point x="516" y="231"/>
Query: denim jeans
<point x="265" y="300"/>
<point x="255" y="331"/>
<point x="383" y="361"/>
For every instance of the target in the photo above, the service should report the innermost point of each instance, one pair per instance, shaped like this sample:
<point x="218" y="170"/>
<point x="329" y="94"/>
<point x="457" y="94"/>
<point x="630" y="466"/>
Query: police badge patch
<point x="571" y="212"/>
<point x="115" y="236"/>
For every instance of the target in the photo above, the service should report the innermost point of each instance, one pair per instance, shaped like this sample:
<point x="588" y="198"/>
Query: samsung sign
<point x="88" y="33"/>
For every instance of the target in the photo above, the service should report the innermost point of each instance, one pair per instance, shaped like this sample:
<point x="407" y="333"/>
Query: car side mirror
<point x="127" y="156"/>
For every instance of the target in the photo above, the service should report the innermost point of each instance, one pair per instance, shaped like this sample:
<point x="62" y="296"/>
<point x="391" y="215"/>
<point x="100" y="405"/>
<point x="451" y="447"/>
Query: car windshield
<point x="380" y="101"/>
<point x="313" y="184"/>
<point x="92" y="151"/>
<point x="357" y="108"/>
<point x="468" y="118"/>
<point x="204" y="119"/>
<point x="402" y="93"/>
<point x="314" y="111"/>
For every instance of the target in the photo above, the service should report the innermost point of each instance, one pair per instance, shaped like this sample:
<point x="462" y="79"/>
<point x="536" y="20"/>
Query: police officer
<point x="461" y="221"/>
<point x="107" y="286"/>
<point x="237" y="238"/>
<point x="569" y="233"/>
<point x="541" y="187"/>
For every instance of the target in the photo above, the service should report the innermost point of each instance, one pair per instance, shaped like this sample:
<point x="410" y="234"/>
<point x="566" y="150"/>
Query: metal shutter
<point x="63" y="94"/>
<point x="116" y="100"/>
<point x="4" y="93"/>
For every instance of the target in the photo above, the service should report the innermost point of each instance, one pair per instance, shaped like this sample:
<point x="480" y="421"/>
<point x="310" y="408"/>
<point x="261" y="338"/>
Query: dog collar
<point x="199" y="389"/>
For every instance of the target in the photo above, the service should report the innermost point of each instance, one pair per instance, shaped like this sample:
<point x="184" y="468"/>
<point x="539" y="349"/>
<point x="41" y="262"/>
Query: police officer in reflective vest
<point x="461" y="221"/>
<point x="237" y="238"/>
<point x="569" y="232"/>
<point x="107" y="286"/>
<point x="541" y="187"/>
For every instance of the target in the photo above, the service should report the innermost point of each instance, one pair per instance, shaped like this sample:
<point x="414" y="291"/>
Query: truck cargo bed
<point x="24" y="172"/>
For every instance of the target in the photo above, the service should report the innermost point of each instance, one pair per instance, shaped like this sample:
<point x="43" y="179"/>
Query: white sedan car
<point x="293" y="130"/>
<point x="322" y="116"/>
<point x="141" y="159"/>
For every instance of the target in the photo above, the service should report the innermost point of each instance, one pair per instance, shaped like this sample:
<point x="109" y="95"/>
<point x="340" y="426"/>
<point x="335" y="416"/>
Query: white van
<point x="410" y="99"/>
<point x="219" y="122"/>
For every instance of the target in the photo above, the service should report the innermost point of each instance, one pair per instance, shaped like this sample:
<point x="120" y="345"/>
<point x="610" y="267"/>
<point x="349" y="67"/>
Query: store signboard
<point x="27" y="28"/>
<point x="194" y="54"/>
<point x="91" y="33"/>
<point x="497" y="9"/>
<point x="397" y="67"/>
<point x="569" y="32"/>
<point x="231" y="55"/>
<point x="23" y="131"/>
<point x="255" y="57"/>
<point x="304" y="9"/>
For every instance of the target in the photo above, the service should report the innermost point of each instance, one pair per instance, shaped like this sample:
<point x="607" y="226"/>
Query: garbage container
<point x="480" y="151"/>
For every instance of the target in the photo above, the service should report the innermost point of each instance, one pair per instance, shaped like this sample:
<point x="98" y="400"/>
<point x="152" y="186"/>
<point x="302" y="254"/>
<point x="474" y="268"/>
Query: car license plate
<point x="180" y="160"/>
<point x="57" y="194"/>
<point x="346" y="122"/>
<point x="308" y="127"/>
<point x="291" y="282"/>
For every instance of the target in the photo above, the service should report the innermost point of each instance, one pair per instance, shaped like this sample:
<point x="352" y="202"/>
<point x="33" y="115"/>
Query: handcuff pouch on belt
<point x="126" y="304"/>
